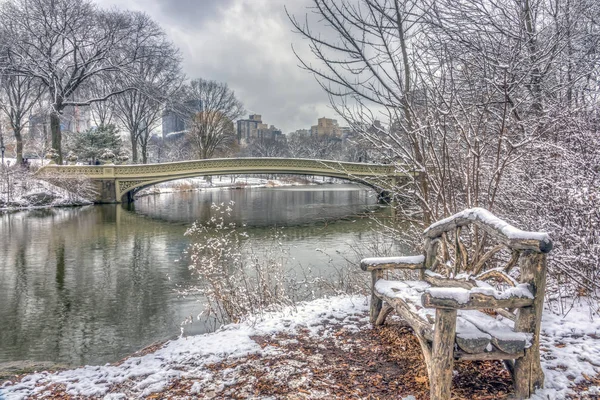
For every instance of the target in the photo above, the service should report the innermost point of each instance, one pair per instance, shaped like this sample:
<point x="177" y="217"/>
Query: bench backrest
<point x="474" y="245"/>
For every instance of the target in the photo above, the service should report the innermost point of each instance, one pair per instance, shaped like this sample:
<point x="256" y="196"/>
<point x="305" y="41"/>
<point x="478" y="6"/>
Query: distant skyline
<point x="246" y="44"/>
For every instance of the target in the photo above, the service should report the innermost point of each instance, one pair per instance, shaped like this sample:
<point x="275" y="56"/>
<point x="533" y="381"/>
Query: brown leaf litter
<point x="340" y="362"/>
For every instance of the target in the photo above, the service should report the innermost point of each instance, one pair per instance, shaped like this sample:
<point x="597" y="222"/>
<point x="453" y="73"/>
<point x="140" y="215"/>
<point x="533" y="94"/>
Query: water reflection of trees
<point x="90" y="284"/>
<point x="76" y="285"/>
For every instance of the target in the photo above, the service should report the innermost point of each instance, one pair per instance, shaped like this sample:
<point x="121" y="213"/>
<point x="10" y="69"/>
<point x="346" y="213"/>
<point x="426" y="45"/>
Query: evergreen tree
<point x="91" y="144"/>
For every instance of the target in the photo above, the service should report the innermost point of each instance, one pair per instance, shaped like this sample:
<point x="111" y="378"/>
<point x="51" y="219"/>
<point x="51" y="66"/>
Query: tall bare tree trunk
<point x="144" y="153"/>
<point x="134" y="149"/>
<point x="19" y="139"/>
<point x="56" y="133"/>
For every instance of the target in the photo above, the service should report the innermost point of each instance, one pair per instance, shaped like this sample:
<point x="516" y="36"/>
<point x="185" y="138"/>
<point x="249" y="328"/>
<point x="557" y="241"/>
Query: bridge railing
<point x="224" y="165"/>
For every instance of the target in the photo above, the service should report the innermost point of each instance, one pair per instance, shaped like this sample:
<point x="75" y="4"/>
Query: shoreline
<point x="324" y="348"/>
<point x="170" y="188"/>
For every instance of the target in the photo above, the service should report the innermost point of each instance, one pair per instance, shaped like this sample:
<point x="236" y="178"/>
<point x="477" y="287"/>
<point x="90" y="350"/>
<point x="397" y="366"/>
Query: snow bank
<point x="570" y="352"/>
<point x="187" y="357"/>
<point x="29" y="192"/>
<point x="226" y="182"/>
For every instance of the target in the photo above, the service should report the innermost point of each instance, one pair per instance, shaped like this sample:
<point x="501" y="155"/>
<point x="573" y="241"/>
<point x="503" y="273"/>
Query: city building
<point x="253" y="128"/>
<point x="326" y="127"/>
<point x="172" y="122"/>
<point x="175" y="119"/>
<point x="75" y="119"/>
<point x="301" y="132"/>
<point x="247" y="128"/>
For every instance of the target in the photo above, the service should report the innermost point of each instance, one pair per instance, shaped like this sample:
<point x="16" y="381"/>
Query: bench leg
<point x="528" y="373"/>
<point x="385" y="311"/>
<point x="376" y="302"/>
<point x="442" y="355"/>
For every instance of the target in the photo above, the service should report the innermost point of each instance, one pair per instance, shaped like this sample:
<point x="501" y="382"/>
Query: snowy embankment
<point x="28" y="192"/>
<point x="570" y="352"/>
<point x="19" y="189"/>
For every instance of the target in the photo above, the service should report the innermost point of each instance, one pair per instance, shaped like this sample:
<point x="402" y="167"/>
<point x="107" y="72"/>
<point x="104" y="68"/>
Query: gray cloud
<point x="193" y="12"/>
<point x="247" y="44"/>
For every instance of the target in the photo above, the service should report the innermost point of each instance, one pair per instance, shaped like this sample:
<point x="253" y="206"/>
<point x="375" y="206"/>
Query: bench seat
<point x="476" y="332"/>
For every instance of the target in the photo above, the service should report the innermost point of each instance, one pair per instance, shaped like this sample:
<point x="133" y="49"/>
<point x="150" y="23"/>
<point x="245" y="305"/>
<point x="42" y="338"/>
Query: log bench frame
<point x="437" y="338"/>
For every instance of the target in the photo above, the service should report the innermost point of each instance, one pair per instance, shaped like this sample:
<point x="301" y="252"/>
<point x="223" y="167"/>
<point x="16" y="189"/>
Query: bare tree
<point x="65" y="43"/>
<point x="214" y="107"/>
<point x="493" y="102"/>
<point x="18" y="95"/>
<point x="366" y="64"/>
<point x="320" y="147"/>
<point x="267" y="147"/>
<point x="156" y="78"/>
<point x="102" y="112"/>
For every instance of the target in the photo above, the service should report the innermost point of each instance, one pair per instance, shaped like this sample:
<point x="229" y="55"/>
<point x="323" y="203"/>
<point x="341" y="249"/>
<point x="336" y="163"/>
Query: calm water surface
<point x="91" y="285"/>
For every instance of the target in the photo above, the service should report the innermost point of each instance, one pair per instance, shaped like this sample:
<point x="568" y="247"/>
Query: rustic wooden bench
<point x="483" y="304"/>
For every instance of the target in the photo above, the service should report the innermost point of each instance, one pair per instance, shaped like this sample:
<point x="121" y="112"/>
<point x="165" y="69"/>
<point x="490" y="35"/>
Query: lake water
<point x="91" y="285"/>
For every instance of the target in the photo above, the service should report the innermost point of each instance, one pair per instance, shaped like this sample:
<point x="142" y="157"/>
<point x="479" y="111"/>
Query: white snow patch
<point x="462" y="296"/>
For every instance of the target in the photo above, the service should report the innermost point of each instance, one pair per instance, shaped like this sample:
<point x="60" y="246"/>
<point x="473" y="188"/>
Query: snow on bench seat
<point x="468" y="337"/>
<point x="483" y="296"/>
<point x="474" y="330"/>
<point x="503" y="335"/>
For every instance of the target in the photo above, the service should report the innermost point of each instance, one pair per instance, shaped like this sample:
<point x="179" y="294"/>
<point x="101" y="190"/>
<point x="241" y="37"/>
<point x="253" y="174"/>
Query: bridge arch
<point x="127" y="195"/>
<point x="117" y="183"/>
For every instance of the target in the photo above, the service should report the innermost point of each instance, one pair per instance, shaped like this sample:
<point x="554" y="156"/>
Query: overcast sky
<point x="246" y="44"/>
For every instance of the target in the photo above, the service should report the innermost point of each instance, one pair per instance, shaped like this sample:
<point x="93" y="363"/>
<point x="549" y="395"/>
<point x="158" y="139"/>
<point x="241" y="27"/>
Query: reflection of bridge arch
<point x="117" y="183"/>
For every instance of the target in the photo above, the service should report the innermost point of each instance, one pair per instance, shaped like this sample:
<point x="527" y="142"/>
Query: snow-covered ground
<point x="570" y="352"/>
<point x="19" y="190"/>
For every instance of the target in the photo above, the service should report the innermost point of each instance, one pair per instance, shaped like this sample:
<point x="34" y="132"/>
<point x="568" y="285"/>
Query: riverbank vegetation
<point x="20" y="189"/>
<point x="493" y="103"/>
<point x="237" y="281"/>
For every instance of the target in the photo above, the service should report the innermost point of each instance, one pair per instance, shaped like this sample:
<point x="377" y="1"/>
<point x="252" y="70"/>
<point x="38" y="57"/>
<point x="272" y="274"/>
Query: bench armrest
<point x="477" y="298"/>
<point x="381" y="263"/>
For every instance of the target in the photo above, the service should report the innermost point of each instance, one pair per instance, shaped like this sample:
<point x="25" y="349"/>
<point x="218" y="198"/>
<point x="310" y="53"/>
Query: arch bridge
<point x="118" y="183"/>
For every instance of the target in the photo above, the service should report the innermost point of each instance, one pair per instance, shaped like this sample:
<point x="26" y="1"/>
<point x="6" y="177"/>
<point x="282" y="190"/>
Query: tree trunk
<point x="134" y="150"/>
<point x="19" y="139"/>
<point x="144" y="153"/>
<point x="56" y="133"/>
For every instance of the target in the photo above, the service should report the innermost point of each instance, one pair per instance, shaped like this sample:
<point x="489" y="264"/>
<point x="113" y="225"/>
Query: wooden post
<point x="431" y="248"/>
<point x="376" y="302"/>
<point x="528" y="374"/>
<point x="442" y="356"/>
